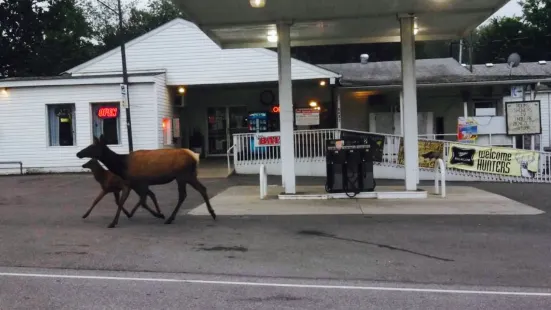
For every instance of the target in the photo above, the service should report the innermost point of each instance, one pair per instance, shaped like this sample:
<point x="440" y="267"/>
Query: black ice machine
<point x="349" y="165"/>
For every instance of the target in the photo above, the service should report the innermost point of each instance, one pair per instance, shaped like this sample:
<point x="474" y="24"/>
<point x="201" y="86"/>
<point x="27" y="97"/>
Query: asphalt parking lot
<point x="42" y="233"/>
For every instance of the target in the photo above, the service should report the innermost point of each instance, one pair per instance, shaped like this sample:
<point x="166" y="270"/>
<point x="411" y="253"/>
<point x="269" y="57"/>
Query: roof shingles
<point x="432" y="71"/>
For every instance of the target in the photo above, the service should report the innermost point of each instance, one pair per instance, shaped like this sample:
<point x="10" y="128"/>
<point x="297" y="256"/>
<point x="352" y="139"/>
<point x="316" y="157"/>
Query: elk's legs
<point x="159" y="214"/>
<point x="182" y="194"/>
<point x="203" y="191"/>
<point x="117" y="199"/>
<point x="125" y="193"/>
<point x="100" y="196"/>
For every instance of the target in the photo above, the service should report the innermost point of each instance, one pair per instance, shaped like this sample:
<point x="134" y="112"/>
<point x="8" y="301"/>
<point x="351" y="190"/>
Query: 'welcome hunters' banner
<point x="429" y="152"/>
<point x="497" y="160"/>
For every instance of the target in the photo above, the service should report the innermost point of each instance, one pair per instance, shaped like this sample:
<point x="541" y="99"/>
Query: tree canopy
<point x="46" y="37"/>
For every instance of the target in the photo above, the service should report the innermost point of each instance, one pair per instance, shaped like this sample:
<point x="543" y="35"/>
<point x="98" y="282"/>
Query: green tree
<point x="42" y="37"/>
<point x="495" y="41"/>
<point x="137" y="21"/>
<point x="528" y="35"/>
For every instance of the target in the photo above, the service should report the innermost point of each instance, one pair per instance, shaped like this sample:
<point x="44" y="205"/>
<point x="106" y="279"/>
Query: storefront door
<point x="223" y="122"/>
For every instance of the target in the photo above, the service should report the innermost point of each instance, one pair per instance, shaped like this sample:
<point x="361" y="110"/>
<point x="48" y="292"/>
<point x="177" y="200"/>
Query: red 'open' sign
<point x="108" y="112"/>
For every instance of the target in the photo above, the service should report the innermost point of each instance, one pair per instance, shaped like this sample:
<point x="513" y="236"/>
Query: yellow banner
<point x="429" y="151"/>
<point x="497" y="160"/>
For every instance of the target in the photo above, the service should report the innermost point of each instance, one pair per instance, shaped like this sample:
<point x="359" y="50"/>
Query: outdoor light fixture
<point x="322" y="83"/>
<point x="272" y="36"/>
<point x="313" y="104"/>
<point x="257" y="3"/>
<point x="415" y="30"/>
<point x="181" y="89"/>
<point x="4" y="91"/>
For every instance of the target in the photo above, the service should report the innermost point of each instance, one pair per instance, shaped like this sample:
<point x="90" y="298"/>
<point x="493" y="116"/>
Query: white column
<point x="409" y="82"/>
<point x="286" y="108"/>
<point x="401" y="113"/>
<point x="533" y="137"/>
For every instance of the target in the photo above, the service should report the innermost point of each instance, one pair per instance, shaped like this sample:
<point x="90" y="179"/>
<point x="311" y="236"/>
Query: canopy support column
<point x="411" y="148"/>
<point x="287" y="143"/>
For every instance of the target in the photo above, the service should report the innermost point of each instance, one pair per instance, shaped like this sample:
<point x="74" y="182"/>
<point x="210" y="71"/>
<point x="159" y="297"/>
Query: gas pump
<point x="349" y="165"/>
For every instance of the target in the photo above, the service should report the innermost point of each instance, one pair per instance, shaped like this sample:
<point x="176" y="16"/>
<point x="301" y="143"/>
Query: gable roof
<point x="191" y="58"/>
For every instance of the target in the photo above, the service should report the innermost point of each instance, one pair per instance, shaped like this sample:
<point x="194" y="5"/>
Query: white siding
<point x="191" y="58"/>
<point x="24" y="126"/>
<point x="164" y="108"/>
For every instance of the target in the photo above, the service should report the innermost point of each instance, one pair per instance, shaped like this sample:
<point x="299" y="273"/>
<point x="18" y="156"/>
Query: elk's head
<point x="525" y="160"/>
<point x="94" y="150"/>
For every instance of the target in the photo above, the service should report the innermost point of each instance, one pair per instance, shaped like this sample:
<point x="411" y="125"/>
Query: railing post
<point x="439" y="165"/>
<point x="263" y="182"/>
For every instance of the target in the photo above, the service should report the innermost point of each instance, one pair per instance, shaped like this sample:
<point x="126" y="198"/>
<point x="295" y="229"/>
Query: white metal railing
<point x="310" y="147"/>
<point x="440" y="173"/>
<point x="228" y="152"/>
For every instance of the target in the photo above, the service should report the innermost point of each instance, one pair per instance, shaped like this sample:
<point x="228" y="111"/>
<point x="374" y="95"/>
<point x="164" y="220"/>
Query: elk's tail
<point x="193" y="155"/>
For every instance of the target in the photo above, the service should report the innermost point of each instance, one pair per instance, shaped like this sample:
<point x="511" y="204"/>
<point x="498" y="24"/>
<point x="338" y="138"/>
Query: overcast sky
<point x="510" y="9"/>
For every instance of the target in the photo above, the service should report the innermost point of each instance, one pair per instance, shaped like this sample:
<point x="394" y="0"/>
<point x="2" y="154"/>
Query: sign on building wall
<point x="124" y="96"/>
<point x="307" y="117"/>
<point x="496" y="160"/>
<point x="267" y="139"/>
<point x="517" y="91"/>
<point x="523" y="117"/>
<point x="429" y="152"/>
<point x="467" y="129"/>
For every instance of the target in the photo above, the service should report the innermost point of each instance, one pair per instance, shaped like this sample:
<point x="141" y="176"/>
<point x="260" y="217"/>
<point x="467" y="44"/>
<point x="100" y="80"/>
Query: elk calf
<point x="111" y="183"/>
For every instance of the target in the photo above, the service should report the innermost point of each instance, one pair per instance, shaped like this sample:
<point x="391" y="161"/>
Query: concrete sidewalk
<point x="460" y="200"/>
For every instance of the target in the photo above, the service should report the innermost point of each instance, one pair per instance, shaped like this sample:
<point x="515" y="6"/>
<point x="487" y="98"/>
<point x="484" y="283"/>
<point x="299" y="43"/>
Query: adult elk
<point x="143" y="168"/>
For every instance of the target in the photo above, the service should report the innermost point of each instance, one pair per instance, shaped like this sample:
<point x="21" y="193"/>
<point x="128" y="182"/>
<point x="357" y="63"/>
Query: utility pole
<point x="125" y="81"/>
<point x="124" y="85"/>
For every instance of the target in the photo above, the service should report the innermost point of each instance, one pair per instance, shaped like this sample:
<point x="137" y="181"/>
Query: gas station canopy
<point x="237" y="24"/>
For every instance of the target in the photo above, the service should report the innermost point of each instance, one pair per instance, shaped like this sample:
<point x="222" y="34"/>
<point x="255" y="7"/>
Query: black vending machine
<point x="349" y="165"/>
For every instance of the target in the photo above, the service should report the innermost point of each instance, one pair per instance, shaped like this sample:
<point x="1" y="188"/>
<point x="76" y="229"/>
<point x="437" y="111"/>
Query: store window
<point x="106" y="121"/>
<point x="167" y="131"/>
<point x="61" y="124"/>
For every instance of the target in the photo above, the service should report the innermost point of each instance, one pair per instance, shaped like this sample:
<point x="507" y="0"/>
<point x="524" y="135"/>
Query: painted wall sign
<point x="108" y="112"/>
<point x="523" y="117"/>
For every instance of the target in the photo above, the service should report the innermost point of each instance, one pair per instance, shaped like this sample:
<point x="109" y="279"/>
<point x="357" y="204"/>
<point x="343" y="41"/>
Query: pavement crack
<point x="380" y="245"/>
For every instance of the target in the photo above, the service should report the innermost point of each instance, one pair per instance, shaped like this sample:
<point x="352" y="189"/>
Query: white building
<point x="46" y="121"/>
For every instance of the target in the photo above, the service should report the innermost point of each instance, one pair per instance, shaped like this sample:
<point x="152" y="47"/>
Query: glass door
<point x="237" y="117"/>
<point x="217" y="130"/>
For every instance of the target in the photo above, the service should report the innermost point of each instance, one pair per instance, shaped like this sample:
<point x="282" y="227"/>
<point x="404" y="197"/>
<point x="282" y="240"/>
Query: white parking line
<point x="284" y="285"/>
